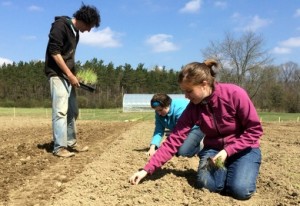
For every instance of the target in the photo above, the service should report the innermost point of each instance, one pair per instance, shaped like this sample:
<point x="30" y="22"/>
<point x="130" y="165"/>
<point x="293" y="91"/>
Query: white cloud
<point x="35" y="8"/>
<point x="281" y="50"/>
<point x="105" y="38"/>
<point x="5" y="61"/>
<point x="235" y="16"/>
<point x="192" y="6"/>
<point x="253" y="24"/>
<point x="257" y="23"/>
<point x="291" y="42"/>
<point x="297" y="13"/>
<point x="285" y="47"/>
<point x="221" y="4"/>
<point x="161" y="43"/>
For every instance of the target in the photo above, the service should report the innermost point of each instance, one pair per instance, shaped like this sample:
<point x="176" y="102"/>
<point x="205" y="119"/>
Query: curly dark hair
<point x="162" y="100"/>
<point x="89" y="15"/>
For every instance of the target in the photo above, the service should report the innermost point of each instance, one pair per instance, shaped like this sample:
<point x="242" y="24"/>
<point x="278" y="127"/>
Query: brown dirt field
<point x="31" y="175"/>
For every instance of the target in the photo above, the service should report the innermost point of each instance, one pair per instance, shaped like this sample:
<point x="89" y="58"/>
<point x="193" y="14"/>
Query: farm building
<point x="141" y="102"/>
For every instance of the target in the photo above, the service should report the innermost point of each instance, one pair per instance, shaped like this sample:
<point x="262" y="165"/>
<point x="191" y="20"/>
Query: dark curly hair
<point x="89" y="15"/>
<point x="160" y="99"/>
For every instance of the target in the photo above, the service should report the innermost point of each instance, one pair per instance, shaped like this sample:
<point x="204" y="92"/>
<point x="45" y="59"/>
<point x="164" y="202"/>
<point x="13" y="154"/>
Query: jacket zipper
<point x="215" y="122"/>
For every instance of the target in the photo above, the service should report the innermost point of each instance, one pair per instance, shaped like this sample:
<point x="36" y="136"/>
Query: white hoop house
<point x="141" y="102"/>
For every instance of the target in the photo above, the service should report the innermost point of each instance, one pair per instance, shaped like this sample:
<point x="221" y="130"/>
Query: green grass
<point x="25" y="112"/>
<point x="114" y="115"/>
<point x="118" y="115"/>
<point x="279" y="117"/>
<point x="85" y="114"/>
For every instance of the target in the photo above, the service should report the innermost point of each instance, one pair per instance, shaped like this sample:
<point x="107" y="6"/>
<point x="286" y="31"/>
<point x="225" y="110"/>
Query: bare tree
<point x="290" y="81"/>
<point x="241" y="59"/>
<point x="288" y="71"/>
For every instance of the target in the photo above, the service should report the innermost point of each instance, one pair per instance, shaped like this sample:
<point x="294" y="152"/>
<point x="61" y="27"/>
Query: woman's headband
<point x="156" y="104"/>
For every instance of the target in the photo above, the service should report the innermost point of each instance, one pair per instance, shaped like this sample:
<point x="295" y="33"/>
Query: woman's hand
<point x="151" y="151"/>
<point x="137" y="177"/>
<point x="222" y="155"/>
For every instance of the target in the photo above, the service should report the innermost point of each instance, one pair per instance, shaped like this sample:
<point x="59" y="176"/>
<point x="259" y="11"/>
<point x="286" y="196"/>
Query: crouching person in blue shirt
<point x="167" y="113"/>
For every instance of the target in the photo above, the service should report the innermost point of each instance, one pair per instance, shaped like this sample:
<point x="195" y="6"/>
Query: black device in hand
<point x="82" y="85"/>
<point x="87" y="87"/>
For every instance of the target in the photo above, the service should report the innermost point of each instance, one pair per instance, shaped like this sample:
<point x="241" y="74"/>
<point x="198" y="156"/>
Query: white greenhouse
<point x="141" y="102"/>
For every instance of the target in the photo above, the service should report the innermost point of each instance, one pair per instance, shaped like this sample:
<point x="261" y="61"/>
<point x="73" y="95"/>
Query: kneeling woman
<point x="230" y="122"/>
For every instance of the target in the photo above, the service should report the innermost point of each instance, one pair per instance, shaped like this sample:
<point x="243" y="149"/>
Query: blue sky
<point x="168" y="33"/>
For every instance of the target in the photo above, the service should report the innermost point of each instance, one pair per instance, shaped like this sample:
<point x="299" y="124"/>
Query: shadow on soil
<point x="189" y="174"/>
<point x="141" y="150"/>
<point x="46" y="146"/>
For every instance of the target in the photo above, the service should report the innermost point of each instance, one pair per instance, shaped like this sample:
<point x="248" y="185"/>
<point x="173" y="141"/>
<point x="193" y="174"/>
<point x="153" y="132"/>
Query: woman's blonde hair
<point x="197" y="72"/>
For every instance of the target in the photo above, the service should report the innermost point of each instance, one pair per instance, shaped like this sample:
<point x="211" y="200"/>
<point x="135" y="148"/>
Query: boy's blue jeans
<point x="64" y="113"/>
<point x="191" y="145"/>
<point x="237" y="179"/>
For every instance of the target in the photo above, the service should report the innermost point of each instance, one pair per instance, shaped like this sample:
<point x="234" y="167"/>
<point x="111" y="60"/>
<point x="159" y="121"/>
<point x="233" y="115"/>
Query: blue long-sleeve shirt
<point x="169" y="121"/>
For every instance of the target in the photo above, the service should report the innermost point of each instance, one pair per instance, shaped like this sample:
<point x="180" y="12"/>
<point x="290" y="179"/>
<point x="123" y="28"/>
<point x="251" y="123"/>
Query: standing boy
<point x="60" y="70"/>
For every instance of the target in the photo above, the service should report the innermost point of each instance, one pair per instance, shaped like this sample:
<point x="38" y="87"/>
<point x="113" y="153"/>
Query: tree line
<point x="24" y="84"/>
<point x="243" y="62"/>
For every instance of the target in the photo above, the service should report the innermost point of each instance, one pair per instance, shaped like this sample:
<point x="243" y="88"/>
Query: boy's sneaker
<point x="63" y="152"/>
<point x="77" y="148"/>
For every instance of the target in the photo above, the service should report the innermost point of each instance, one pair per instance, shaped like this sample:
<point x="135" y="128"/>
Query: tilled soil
<point x="31" y="175"/>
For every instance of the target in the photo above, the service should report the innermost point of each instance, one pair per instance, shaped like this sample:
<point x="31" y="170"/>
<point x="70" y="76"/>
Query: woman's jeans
<point x="191" y="145"/>
<point x="237" y="179"/>
<point x="64" y="113"/>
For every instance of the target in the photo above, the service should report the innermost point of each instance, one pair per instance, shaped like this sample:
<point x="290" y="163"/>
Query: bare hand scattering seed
<point x="218" y="164"/>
